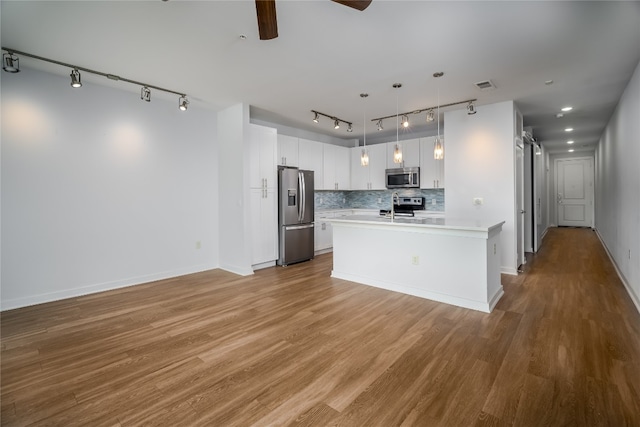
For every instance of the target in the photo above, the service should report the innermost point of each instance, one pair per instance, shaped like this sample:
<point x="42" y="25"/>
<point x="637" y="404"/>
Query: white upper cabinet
<point x="377" y="166"/>
<point x="431" y="170"/>
<point x="263" y="142"/>
<point x="336" y="168"/>
<point x="287" y="150"/>
<point x="410" y="154"/>
<point x="310" y="155"/>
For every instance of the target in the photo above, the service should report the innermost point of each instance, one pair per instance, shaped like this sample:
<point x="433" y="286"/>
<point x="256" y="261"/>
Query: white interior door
<point x="520" y="202"/>
<point x="574" y="192"/>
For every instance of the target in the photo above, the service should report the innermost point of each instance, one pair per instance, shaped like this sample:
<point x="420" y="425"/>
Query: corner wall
<point x="101" y="190"/>
<point x="480" y="162"/>
<point x="617" y="192"/>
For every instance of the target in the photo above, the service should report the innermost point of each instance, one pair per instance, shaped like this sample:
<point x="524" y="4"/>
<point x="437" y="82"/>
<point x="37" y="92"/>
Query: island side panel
<point x="449" y="268"/>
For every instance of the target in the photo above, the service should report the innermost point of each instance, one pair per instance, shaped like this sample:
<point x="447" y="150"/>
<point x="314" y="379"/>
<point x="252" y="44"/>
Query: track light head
<point x="10" y="63"/>
<point x="183" y="103"/>
<point x="76" y="81"/>
<point x="145" y="94"/>
<point x="380" y="124"/>
<point x="405" y="121"/>
<point x="316" y="119"/>
<point x="349" y="128"/>
<point x="430" y="116"/>
<point x="336" y="124"/>
<point x="471" y="109"/>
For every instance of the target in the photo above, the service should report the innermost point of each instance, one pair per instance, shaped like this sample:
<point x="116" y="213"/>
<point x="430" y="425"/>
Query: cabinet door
<point x="431" y="170"/>
<point x="264" y="225"/>
<point x="287" y="150"/>
<point x="410" y="154"/>
<point x="310" y="154"/>
<point x="359" y="173"/>
<point x="342" y="168"/>
<point x="377" y="165"/>
<point x="263" y="142"/>
<point x="329" y="153"/>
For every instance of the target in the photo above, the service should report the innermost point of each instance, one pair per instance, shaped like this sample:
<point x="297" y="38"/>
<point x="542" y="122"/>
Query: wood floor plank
<point x="293" y="346"/>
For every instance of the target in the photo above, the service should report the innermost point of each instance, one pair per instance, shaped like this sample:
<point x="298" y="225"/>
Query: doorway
<point x="574" y="192"/>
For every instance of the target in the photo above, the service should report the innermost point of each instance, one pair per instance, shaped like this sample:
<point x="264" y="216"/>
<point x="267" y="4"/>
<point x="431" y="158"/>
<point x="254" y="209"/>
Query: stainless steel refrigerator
<point x="295" y="215"/>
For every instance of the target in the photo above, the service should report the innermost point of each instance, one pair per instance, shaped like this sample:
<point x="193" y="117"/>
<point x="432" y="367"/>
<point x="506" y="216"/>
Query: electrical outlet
<point x="198" y="244"/>
<point x="379" y="200"/>
<point x="415" y="260"/>
<point x="477" y="201"/>
<point x="320" y="200"/>
<point x="433" y="202"/>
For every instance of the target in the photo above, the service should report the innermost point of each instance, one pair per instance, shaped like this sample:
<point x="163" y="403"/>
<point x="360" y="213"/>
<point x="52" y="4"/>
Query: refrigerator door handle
<point x="300" y="198"/>
<point x="303" y="199"/>
<point x="298" y="227"/>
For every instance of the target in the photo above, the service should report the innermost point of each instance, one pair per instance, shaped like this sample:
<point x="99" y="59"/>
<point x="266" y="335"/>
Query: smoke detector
<point x="485" y="85"/>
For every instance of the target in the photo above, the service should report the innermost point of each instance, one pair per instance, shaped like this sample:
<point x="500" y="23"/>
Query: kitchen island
<point x="446" y="260"/>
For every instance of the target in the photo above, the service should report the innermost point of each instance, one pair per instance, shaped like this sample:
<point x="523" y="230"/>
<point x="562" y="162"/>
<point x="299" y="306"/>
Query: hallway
<point x="292" y="346"/>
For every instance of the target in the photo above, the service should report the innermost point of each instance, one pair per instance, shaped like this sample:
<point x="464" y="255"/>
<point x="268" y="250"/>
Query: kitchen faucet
<point x="394" y="196"/>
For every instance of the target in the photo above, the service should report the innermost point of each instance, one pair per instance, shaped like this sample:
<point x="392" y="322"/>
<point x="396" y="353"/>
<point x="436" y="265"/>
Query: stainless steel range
<point x="404" y="206"/>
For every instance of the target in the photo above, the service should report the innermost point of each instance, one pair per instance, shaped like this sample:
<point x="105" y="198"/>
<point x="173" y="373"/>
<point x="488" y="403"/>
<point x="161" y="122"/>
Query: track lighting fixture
<point x="422" y="110"/>
<point x="405" y="121"/>
<point x="10" y="63"/>
<point x="380" y="125"/>
<point x="336" y="120"/>
<point x="471" y="109"/>
<point x="430" y="116"/>
<point x="145" y="94"/>
<point x="183" y="103"/>
<point x="75" y="78"/>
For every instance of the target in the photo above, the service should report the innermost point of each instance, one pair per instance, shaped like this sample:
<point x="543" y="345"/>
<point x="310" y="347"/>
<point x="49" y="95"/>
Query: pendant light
<point x="364" y="156"/>
<point x="438" y="149"/>
<point x="397" y="151"/>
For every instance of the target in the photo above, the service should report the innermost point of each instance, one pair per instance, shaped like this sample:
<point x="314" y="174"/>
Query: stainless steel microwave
<point x="402" y="178"/>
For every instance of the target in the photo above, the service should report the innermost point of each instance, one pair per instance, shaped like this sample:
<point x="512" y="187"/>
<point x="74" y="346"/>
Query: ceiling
<point x="327" y="54"/>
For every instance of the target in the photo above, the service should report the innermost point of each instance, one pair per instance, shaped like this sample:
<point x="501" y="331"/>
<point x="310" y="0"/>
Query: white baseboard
<point x="263" y="265"/>
<point x="509" y="270"/>
<point x="14" y="303"/>
<point x="635" y="298"/>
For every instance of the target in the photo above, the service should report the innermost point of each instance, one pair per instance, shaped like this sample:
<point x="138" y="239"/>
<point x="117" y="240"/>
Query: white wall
<point x="617" y="194"/>
<point x="235" y="238"/>
<point x="480" y="162"/>
<point x="100" y="189"/>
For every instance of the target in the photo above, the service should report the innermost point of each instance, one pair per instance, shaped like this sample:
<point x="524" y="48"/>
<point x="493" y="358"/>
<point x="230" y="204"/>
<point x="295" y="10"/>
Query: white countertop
<point x="422" y="222"/>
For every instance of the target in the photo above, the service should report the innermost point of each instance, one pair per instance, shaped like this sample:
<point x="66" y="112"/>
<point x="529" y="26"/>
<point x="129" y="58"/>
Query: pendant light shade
<point x="438" y="149"/>
<point x="397" y="150"/>
<point x="364" y="156"/>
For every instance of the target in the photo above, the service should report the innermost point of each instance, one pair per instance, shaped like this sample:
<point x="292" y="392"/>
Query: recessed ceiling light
<point x="559" y="115"/>
<point x="565" y="109"/>
<point x="571" y="150"/>
<point x="548" y="82"/>
<point x="568" y="130"/>
<point x="570" y="142"/>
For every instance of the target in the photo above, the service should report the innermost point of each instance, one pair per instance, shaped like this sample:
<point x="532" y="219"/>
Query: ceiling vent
<point x="485" y="85"/>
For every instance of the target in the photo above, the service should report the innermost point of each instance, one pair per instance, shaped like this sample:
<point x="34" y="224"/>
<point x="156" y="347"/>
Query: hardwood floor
<point x="292" y="346"/>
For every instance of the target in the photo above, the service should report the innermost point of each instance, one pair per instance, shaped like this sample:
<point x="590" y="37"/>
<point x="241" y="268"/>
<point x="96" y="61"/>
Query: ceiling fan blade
<point x="356" y="4"/>
<point x="267" y="20"/>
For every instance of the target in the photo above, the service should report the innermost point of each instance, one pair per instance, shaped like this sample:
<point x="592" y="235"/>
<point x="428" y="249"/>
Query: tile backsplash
<point x="375" y="199"/>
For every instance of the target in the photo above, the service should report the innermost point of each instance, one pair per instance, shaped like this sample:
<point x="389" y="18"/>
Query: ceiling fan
<point x="268" y="23"/>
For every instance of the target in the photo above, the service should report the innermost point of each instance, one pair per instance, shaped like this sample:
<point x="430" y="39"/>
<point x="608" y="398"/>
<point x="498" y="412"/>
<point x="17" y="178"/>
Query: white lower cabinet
<point x="323" y="235"/>
<point x="264" y="225"/>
